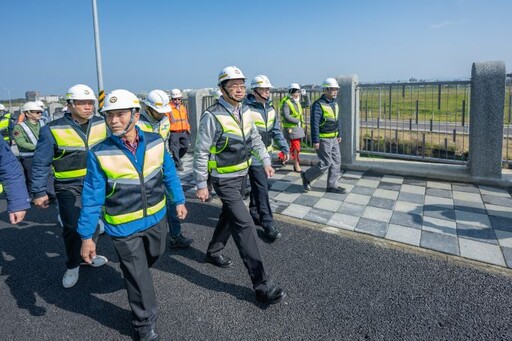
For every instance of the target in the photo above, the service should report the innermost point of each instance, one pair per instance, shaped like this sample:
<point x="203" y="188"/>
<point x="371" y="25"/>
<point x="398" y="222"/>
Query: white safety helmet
<point x="176" y="93"/>
<point x="120" y="99"/>
<point x="2" y="107"/>
<point x="80" y="92"/>
<point x="294" y="86"/>
<point x="41" y="104"/>
<point x="260" y="81"/>
<point x="330" y="83"/>
<point x="31" y="106"/>
<point x="230" y="72"/>
<point x="158" y="100"/>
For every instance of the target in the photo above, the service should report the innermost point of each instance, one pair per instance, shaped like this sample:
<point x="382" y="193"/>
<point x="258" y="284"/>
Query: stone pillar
<point x="348" y="100"/>
<point x="486" y="119"/>
<point x="195" y="109"/>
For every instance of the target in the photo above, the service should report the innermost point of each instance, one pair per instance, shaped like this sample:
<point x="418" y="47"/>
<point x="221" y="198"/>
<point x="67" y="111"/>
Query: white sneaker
<point x="70" y="277"/>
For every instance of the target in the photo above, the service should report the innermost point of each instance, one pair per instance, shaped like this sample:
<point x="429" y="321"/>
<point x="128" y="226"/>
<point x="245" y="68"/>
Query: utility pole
<point x="99" y="70"/>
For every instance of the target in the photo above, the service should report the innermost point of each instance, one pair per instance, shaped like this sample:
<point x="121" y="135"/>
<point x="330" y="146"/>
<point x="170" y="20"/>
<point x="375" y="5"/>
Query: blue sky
<point x="48" y="45"/>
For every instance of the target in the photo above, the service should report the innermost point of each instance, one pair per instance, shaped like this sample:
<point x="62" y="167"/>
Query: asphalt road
<point x="340" y="287"/>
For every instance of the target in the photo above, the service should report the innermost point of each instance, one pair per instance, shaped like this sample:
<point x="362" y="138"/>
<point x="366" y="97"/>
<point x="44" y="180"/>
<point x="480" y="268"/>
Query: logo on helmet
<point x="113" y="99"/>
<point x="86" y="92"/>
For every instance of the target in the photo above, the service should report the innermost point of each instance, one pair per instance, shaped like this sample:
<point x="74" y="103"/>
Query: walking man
<point x="180" y="128"/>
<point x="326" y="138"/>
<point x="226" y="138"/>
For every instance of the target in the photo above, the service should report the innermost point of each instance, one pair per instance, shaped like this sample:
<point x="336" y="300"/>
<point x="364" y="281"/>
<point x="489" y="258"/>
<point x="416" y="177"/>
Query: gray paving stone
<point x="363" y="190"/>
<point x="415" y="181"/>
<point x="409" y="207"/>
<point x="390" y="186"/>
<point x="404" y="234"/>
<point x="386" y="194"/>
<point x="504" y="238"/>
<point x="281" y="185"/>
<point x="507" y="254"/>
<point x="306" y="200"/>
<point x="439" y="212"/>
<point x="376" y="213"/>
<point x="273" y="194"/>
<point x="319" y="184"/>
<point x="407" y="219"/>
<point x="373" y="227"/>
<point x="502" y="192"/>
<point x="500" y="211"/>
<point x="494" y="200"/>
<point x="412" y="189"/>
<point x="343" y="221"/>
<point x="344" y="181"/>
<point x="469" y="206"/>
<point x="328" y="204"/>
<point x="318" y="215"/>
<point x="439" y="226"/>
<point x="286" y="197"/>
<point x="278" y="207"/>
<point x="470" y="188"/>
<point x="439" y="185"/>
<point x="471" y="218"/>
<point x="358" y="199"/>
<point x="297" y="211"/>
<point x="295" y="188"/>
<point x="352" y="209"/>
<point x="482" y="252"/>
<point x="352" y="174"/>
<point x="440" y="242"/>
<point x="436" y="192"/>
<point x="368" y="183"/>
<point x="466" y="196"/>
<point x="485" y="234"/>
<point x="335" y="196"/>
<point x="501" y="223"/>
<point x="411" y="197"/>
<point x="372" y="176"/>
<point x="382" y="203"/>
<point x="392" y="179"/>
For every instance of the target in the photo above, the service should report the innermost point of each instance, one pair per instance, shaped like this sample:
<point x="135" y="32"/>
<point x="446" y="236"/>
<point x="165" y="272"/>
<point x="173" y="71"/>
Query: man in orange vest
<point x="180" y="129"/>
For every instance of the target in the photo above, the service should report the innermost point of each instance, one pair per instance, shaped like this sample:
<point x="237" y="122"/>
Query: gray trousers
<point x="330" y="159"/>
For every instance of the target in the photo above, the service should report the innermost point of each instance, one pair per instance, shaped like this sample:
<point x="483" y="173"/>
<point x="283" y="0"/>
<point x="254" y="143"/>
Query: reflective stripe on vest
<point x="294" y="113"/>
<point x="161" y="127"/>
<point x="33" y="139"/>
<point x="132" y="195"/>
<point x="178" y="118"/>
<point x="232" y="152"/>
<point x="329" y="125"/>
<point x="4" y="126"/>
<point x="69" y="161"/>
<point x="264" y="125"/>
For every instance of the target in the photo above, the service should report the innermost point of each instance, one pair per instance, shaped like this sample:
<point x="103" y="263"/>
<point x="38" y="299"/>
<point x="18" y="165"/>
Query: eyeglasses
<point x="238" y="87"/>
<point x="35" y="112"/>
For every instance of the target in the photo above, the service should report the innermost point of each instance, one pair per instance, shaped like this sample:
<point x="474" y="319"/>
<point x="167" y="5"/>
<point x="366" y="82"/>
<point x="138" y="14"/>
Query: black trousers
<point x="69" y="199"/>
<point x="179" y="144"/>
<point x="137" y="253"/>
<point x="235" y="220"/>
<point x="259" y="204"/>
<point x="26" y="163"/>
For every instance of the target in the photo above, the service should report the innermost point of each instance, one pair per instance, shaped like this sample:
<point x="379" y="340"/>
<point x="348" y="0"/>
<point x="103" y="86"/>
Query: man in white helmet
<point x="326" y="138"/>
<point x="131" y="174"/>
<point x="226" y="140"/>
<point x="264" y="116"/>
<point x="26" y="135"/>
<point x="154" y="119"/>
<point x="63" y="145"/>
<point x="45" y="117"/>
<point x="180" y="128"/>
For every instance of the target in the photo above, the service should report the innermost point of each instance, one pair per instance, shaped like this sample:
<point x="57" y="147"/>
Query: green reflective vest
<point x="161" y="127"/>
<point x="232" y="152"/>
<point x="264" y="123"/>
<point x="132" y="195"/>
<point x="70" y="159"/>
<point x="294" y="113"/>
<point x="329" y="123"/>
<point x="4" y="126"/>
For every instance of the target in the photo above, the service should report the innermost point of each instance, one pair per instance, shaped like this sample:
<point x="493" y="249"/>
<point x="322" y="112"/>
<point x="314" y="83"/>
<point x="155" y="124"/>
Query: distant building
<point x="31" y="95"/>
<point x="48" y="99"/>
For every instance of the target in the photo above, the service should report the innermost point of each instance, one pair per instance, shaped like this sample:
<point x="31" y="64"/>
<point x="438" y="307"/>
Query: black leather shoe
<point x="150" y="336"/>
<point x="180" y="242"/>
<point x="339" y="190"/>
<point x="272" y="296"/>
<point x="271" y="232"/>
<point x="305" y="182"/>
<point x="220" y="261"/>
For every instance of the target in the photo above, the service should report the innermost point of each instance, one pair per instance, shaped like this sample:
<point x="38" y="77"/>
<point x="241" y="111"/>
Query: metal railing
<point x="424" y="121"/>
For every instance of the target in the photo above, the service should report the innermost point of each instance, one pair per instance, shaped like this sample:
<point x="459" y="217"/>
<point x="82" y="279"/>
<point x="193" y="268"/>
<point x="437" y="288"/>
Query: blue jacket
<point x="13" y="180"/>
<point x="94" y="191"/>
<point x="316" y="118"/>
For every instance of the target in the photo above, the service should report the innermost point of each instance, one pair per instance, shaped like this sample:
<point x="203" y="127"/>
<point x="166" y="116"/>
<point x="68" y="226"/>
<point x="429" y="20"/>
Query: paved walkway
<point x="460" y="219"/>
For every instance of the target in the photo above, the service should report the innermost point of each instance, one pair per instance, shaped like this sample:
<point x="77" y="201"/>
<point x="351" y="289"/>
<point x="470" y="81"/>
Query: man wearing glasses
<point x="326" y="138"/>
<point x="26" y="135"/>
<point x="180" y="129"/>
<point x="226" y="140"/>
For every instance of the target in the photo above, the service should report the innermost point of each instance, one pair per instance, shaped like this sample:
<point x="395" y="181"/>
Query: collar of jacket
<point x="229" y="106"/>
<point x="253" y="102"/>
<point x="119" y="142"/>
<point x="145" y="116"/>
<point x="325" y="99"/>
